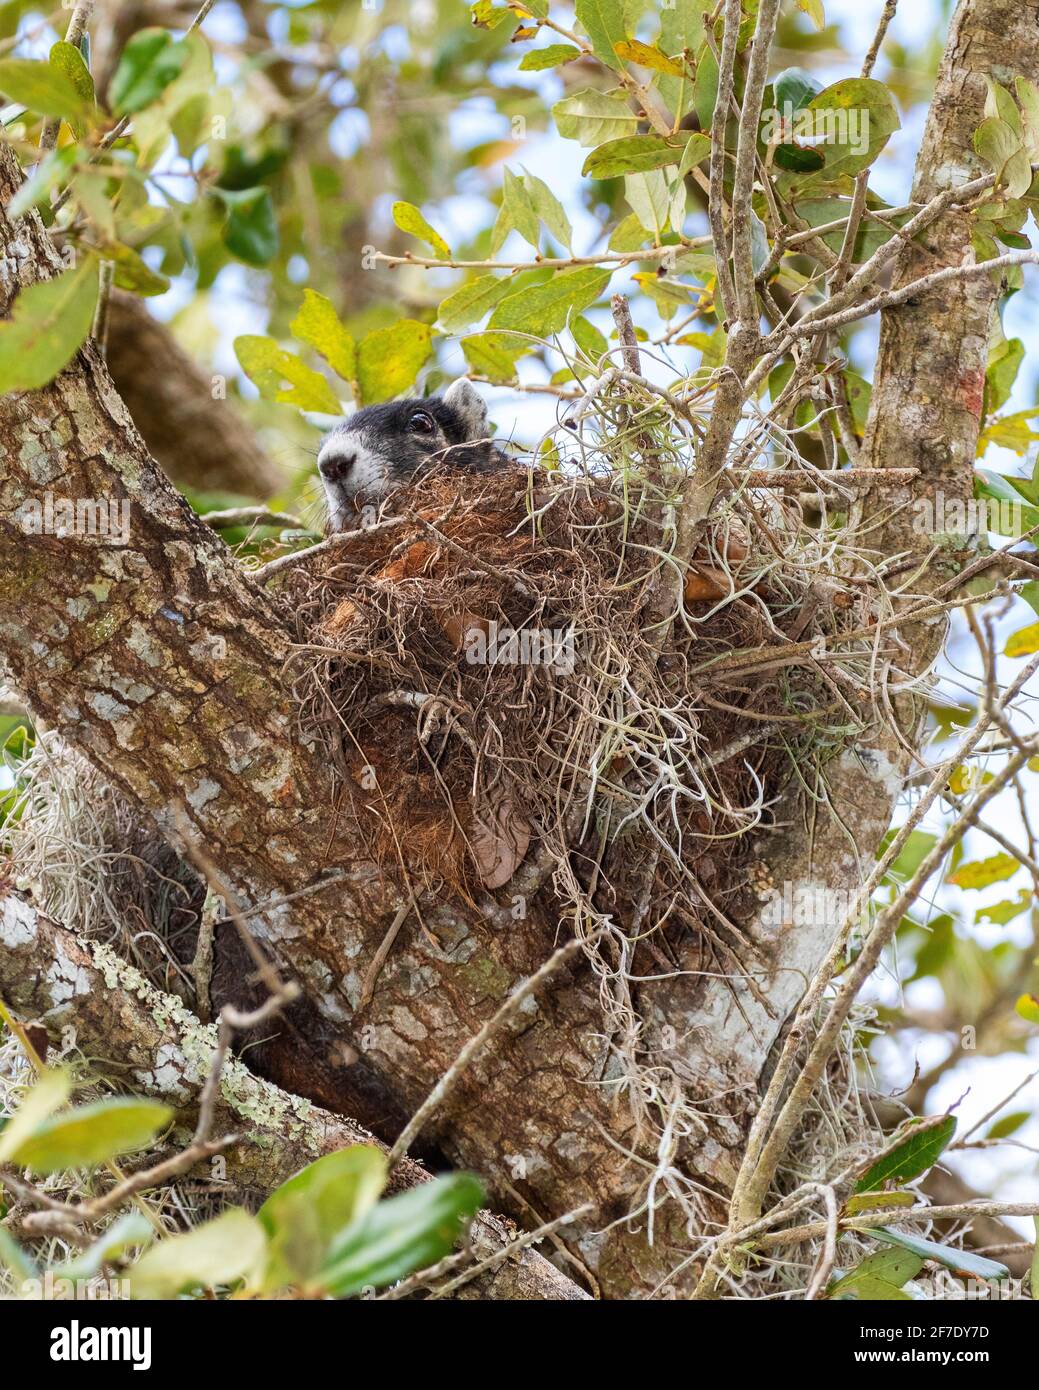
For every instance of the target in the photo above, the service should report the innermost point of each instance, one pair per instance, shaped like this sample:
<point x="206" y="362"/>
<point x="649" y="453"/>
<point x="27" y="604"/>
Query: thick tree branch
<point x="88" y="998"/>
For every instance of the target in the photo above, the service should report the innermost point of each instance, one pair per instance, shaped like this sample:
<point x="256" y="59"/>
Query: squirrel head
<point x="382" y="448"/>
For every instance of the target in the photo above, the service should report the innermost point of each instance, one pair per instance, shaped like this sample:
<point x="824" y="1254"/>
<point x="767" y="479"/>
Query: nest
<point x="484" y="674"/>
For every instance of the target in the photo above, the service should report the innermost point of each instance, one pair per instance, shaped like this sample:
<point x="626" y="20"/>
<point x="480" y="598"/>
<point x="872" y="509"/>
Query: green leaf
<point x="604" y="23"/>
<point x="1004" y="912"/>
<point x="517" y="213"/>
<point x="14" y="1258"/>
<point x="999" y="103"/>
<point x="1001" y="373"/>
<point x="961" y="1261"/>
<point x="222" y="1252"/>
<point x="915" y="850"/>
<point x="92" y="1134"/>
<point x="67" y="59"/>
<point x="405" y="1233"/>
<point x="1009" y="1124"/>
<point x="251" y="229"/>
<point x="281" y="376"/>
<point x="649" y="198"/>
<point x="51" y="1090"/>
<point x="799" y="159"/>
<point x="492" y="355"/>
<point x="984" y="872"/>
<point x="304" y="1216"/>
<point x="588" y="338"/>
<point x="697" y="148"/>
<point x="893" y="1267"/>
<point x="540" y="58"/>
<point x="916" y="1147"/>
<point x="592" y="117"/>
<point x="682" y="28"/>
<point x="42" y="88"/>
<point x="629" y="235"/>
<point x="1001" y="148"/>
<point x="409" y="219"/>
<point x="794" y="87"/>
<point x="319" y="326"/>
<point x="470" y="302"/>
<point x="541" y="310"/>
<point x="389" y="359"/>
<point x="148" y="64"/>
<point x="133" y="1229"/>
<point x="132" y="272"/>
<point x="52" y="172"/>
<point x="638" y="153"/>
<point x="874" y="1201"/>
<point x="1022" y="516"/>
<point x="549" y="209"/>
<point x="48" y="325"/>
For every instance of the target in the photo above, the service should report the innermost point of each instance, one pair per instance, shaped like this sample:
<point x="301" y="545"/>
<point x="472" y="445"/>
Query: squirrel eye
<point x="422" y="423"/>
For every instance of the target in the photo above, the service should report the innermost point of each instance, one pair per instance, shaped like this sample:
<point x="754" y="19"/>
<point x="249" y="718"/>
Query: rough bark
<point x="201" y="443"/>
<point x="88" y="998"/>
<point x="930" y="374"/>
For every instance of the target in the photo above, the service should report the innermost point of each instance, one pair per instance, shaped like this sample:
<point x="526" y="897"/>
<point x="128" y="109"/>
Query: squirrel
<point x="383" y="447"/>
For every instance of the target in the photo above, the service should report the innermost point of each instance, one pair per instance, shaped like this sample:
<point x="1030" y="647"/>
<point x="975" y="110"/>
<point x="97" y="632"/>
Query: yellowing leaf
<point x="47" y="327"/>
<point x="492" y="355"/>
<point x="409" y="219"/>
<point x="1006" y="911"/>
<point x="1028" y="1007"/>
<point x="318" y="325"/>
<point x="281" y="376"/>
<point x="959" y="782"/>
<point x="52" y="1089"/>
<point x="1023" y="642"/>
<point x="814" y="10"/>
<point x="635" y="52"/>
<point x="91" y="1134"/>
<point x="389" y="359"/>
<point x="984" y="871"/>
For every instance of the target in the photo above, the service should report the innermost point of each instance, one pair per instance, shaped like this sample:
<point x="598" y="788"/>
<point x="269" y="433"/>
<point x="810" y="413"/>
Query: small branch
<point x="264" y="572"/>
<point x="251" y="516"/>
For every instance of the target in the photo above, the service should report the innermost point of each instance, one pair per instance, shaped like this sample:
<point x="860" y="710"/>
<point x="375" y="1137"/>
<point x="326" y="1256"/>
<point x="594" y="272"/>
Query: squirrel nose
<point x="334" y="467"/>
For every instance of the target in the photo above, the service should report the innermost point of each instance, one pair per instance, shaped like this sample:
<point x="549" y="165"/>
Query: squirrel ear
<point x="463" y="397"/>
